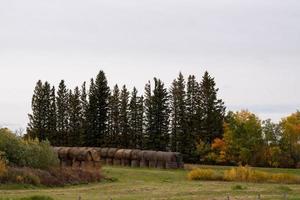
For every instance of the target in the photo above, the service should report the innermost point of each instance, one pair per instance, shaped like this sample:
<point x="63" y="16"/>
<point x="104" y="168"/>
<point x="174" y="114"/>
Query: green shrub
<point x="29" y="153"/>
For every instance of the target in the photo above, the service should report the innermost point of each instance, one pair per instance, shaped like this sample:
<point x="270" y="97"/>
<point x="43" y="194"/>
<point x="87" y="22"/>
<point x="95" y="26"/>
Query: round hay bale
<point x="135" y="158"/>
<point x="111" y="152"/>
<point x="136" y="154"/>
<point x="126" y="160"/>
<point x="95" y="154"/>
<point x="151" y="157"/>
<point x="118" y="157"/>
<point x="171" y="160"/>
<point x="76" y="164"/>
<point x="63" y="153"/>
<point x="103" y="155"/>
<point x="161" y="161"/>
<point x="80" y="154"/>
<point x="56" y="149"/>
<point x="143" y="161"/>
<point x="104" y="152"/>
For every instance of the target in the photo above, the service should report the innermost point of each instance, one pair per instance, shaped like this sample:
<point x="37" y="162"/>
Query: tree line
<point x="162" y="119"/>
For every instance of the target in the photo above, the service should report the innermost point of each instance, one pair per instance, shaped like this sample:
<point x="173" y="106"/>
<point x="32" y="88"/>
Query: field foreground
<point x="131" y="184"/>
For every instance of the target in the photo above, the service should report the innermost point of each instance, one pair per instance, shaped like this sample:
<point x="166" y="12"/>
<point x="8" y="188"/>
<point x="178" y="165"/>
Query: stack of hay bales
<point x="76" y="157"/>
<point x="85" y="157"/>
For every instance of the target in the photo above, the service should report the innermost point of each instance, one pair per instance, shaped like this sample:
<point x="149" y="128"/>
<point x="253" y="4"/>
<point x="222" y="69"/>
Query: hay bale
<point x="171" y="160"/>
<point x="97" y="165"/>
<point x="104" y="152"/>
<point x="119" y="155"/>
<point x="111" y="152"/>
<point x="126" y="160"/>
<point x="135" y="158"/>
<point x="151" y="157"/>
<point x="63" y="153"/>
<point x="103" y="155"/>
<point x="161" y="161"/>
<point x="80" y="154"/>
<point x="143" y="161"/>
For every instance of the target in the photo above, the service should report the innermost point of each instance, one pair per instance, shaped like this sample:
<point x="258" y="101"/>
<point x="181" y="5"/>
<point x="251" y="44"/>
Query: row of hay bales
<point x="93" y="157"/>
<point x="140" y="158"/>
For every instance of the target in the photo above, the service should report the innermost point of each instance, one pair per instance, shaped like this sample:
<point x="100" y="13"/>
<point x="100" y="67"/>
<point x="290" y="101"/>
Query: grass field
<point x="137" y="184"/>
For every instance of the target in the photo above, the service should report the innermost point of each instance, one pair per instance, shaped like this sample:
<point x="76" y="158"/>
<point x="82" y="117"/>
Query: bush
<point x="50" y="177"/>
<point x="245" y="174"/>
<point x="31" y="153"/>
<point x="203" y="174"/>
<point x="2" y="166"/>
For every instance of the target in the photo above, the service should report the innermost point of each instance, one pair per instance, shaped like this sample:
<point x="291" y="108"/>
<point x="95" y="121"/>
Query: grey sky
<point x="251" y="47"/>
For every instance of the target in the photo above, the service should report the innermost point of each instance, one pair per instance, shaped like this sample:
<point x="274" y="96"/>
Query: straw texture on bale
<point x="151" y="157"/>
<point x="111" y="152"/>
<point x="104" y="152"/>
<point x="63" y="153"/>
<point x="135" y="158"/>
<point x="126" y="160"/>
<point x="118" y="157"/>
<point x="161" y="160"/>
<point x="79" y="154"/>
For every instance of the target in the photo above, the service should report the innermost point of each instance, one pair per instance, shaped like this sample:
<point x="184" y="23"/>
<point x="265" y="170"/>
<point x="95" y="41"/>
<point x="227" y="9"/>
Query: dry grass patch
<point x="243" y="174"/>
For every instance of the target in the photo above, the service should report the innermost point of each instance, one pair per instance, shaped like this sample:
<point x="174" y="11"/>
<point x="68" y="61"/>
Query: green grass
<point x="137" y="184"/>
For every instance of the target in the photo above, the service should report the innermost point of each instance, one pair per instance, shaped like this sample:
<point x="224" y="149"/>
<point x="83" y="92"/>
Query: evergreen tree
<point x="75" y="120"/>
<point x="212" y="110"/>
<point x="53" y="138"/>
<point x="37" y="120"/>
<point x="84" y="107"/>
<point x="179" y="137"/>
<point x="97" y="114"/>
<point x="149" y="119"/>
<point x="62" y="105"/>
<point x="193" y="117"/>
<point x="124" y="112"/>
<point x="136" y="120"/>
<point x="114" y="118"/>
<point x="157" y="116"/>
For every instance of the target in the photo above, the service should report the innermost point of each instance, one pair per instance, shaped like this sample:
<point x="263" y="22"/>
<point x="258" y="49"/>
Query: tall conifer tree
<point x="62" y="105"/>
<point x="98" y="112"/>
<point x="75" y="120"/>
<point x="124" y="115"/>
<point x="212" y="110"/>
<point x="157" y="115"/>
<point x="179" y="137"/>
<point x="136" y="120"/>
<point x="114" y="118"/>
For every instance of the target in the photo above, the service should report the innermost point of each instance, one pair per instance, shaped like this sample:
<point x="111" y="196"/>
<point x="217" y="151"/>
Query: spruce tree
<point x="212" y="110"/>
<point x="41" y="121"/>
<point x="75" y="118"/>
<point x="124" y="115"/>
<point x="97" y="114"/>
<point x="158" y="117"/>
<point x="53" y="138"/>
<point x="84" y="107"/>
<point x="149" y="119"/>
<point x="36" y="127"/>
<point x="179" y="138"/>
<point x="62" y="105"/>
<point x="136" y="120"/>
<point x="114" y="118"/>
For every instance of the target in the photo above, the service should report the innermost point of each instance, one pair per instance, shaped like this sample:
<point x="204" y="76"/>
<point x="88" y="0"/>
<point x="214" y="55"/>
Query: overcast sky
<point x="251" y="47"/>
